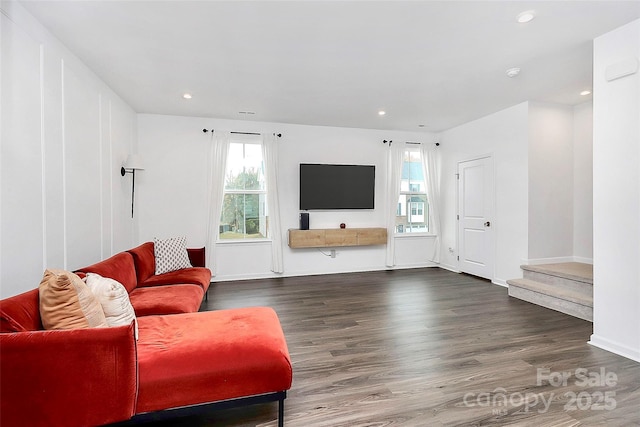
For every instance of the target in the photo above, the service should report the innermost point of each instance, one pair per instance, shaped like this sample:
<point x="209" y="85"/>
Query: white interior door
<point x="475" y="217"/>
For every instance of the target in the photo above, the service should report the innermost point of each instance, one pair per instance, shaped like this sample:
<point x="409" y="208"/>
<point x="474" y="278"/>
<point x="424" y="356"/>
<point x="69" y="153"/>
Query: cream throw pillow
<point x="114" y="299"/>
<point x="67" y="303"/>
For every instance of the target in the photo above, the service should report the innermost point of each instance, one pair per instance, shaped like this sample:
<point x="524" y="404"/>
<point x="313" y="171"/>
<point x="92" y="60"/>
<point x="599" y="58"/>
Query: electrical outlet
<point x="333" y="253"/>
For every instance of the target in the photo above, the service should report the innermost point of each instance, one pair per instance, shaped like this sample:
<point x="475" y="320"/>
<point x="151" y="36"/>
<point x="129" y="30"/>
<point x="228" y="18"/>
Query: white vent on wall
<point x="621" y="69"/>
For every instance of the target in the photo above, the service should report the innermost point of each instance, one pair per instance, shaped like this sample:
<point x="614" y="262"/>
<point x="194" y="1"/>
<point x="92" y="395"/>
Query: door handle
<point x="487" y="224"/>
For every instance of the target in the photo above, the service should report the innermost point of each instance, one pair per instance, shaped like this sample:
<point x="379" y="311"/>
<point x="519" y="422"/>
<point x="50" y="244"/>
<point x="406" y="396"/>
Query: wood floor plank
<point x="427" y="347"/>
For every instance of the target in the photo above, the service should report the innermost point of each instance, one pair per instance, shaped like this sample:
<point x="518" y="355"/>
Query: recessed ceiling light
<point x="513" y="72"/>
<point x="585" y="92"/>
<point x="382" y="113"/>
<point x="187" y="96"/>
<point x="525" y="17"/>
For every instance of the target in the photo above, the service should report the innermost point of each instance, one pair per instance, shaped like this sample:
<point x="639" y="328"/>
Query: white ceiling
<point x="336" y="63"/>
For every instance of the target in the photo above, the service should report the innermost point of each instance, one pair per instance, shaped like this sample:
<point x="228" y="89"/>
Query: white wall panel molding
<point x="21" y="158"/>
<point x="101" y="170"/>
<point x="109" y="178"/>
<point x="43" y="161"/>
<point x="65" y="257"/>
<point x="60" y="201"/>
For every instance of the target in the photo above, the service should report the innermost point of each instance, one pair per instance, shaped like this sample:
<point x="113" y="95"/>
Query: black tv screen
<point x="329" y="187"/>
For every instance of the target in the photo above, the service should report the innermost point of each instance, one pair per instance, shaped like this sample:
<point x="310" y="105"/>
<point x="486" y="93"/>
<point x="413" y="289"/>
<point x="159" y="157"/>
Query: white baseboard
<point x="407" y="266"/>
<point x="556" y="260"/>
<point x="452" y="268"/>
<point x="234" y="277"/>
<point x="500" y="282"/>
<point x="614" y="347"/>
<point x="270" y="275"/>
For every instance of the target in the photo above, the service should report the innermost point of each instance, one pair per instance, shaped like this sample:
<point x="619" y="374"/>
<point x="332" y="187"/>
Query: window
<point x="244" y="207"/>
<point x="413" y="210"/>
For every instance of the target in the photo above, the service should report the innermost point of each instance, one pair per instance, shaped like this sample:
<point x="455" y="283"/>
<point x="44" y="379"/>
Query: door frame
<point x="494" y="249"/>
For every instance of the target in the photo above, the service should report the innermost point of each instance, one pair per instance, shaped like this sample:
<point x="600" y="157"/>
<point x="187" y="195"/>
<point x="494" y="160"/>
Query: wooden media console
<point x="335" y="237"/>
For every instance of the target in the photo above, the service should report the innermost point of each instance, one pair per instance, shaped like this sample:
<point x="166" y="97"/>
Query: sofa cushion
<point x="210" y="356"/>
<point x="197" y="256"/>
<point x="66" y="302"/>
<point x="119" y="267"/>
<point x="171" y="254"/>
<point x="114" y="299"/>
<point x="170" y="299"/>
<point x="21" y="313"/>
<point x="144" y="260"/>
<point x="145" y="264"/>
<point x="194" y="276"/>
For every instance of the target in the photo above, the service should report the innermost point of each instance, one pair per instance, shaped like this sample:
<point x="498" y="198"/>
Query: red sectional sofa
<point x="179" y="291"/>
<point x="183" y="360"/>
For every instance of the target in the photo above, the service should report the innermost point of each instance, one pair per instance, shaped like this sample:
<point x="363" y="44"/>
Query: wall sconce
<point x="133" y="163"/>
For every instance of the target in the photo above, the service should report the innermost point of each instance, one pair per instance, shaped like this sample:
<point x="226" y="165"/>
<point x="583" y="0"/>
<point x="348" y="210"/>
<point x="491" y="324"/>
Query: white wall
<point x="504" y="135"/>
<point x="64" y="137"/>
<point x="172" y="193"/>
<point x="65" y="134"/>
<point x="551" y="172"/>
<point x="616" y="195"/>
<point x="583" y="182"/>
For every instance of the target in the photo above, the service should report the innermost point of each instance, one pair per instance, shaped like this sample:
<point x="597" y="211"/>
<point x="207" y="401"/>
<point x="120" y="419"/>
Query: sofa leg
<point x="281" y="412"/>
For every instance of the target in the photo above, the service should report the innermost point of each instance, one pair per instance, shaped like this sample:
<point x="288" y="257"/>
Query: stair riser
<point x="573" y="285"/>
<point x="567" y="307"/>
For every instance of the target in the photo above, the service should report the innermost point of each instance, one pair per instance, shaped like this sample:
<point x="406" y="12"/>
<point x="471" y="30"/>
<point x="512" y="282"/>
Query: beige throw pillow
<point x="67" y="303"/>
<point x="114" y="299"/>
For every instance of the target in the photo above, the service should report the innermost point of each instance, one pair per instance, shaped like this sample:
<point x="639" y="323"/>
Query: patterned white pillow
<point x="171" y="254"/>
<point x="114" y="299"/>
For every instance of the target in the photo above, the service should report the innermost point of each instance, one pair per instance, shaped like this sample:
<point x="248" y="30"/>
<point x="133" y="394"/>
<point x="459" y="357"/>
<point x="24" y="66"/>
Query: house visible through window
<point x="413" y="210"/>
<point x="244" y="207"/>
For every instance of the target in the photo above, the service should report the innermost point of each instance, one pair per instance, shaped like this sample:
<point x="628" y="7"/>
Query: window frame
<point x="409" y="194"/>
<point x="245" y="140"/>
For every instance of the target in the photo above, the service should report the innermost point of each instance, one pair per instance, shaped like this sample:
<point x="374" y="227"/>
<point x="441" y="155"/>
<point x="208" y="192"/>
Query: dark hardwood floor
<point x="427" y="347"/>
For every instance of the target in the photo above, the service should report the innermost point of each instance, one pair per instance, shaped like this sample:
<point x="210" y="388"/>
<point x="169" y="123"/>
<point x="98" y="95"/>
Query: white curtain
<point x="394" y="175"/>
<point x="270" y="157"/>
<point x="430" y="172"/>
<point x="217" y="168"/>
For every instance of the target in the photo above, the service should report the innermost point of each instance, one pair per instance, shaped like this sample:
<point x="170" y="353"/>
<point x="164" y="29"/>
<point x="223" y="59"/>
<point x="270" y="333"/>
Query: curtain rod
<point x="384" y="141"/>
<point x="241" y="133"/>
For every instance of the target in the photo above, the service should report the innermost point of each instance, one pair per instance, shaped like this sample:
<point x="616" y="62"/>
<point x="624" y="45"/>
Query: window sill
<point x="408" y="235"/>
<point x="243" y="241"/>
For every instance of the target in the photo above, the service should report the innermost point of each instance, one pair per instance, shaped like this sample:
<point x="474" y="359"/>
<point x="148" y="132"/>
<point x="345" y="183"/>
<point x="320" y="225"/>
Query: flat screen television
<point x="331" y="187"/>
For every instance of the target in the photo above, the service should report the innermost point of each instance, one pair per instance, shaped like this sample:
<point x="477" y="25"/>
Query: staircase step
<point x="576" y="271"/>
<point x="570" y="276"/>
<point x="554" y="291"/>
<point x="567" y="301"/>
